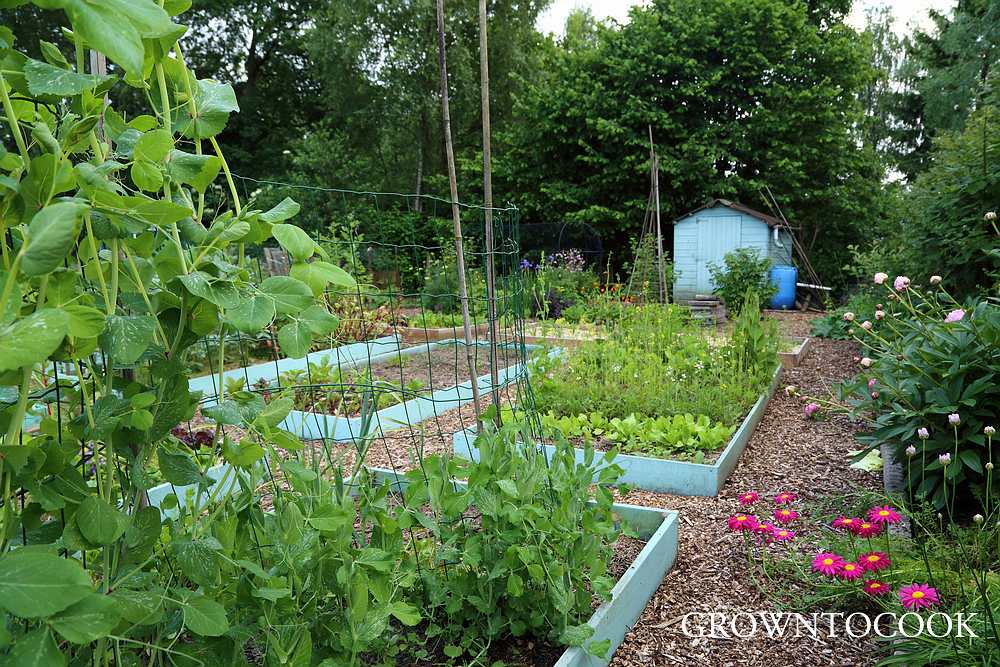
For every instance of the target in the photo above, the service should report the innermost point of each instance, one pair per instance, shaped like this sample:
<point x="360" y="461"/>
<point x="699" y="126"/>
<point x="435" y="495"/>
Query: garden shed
<point x="703" y="236"/>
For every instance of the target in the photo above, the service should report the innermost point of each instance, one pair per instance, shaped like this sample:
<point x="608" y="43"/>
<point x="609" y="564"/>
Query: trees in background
<point x="739" y="94"/>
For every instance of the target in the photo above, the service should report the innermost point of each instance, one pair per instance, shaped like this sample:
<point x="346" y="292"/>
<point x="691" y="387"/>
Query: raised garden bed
<point x="796" y="351"/>
<point x="562" y="335"/>
<point x="663" y="475"/>
<point x="426" y="335"/>
<point x="658" y="528"/>
<point x="312" y="425"/>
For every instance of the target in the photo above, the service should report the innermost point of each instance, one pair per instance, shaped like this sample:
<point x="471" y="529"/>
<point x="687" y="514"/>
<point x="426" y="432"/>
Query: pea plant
<point x="112" y="269"/>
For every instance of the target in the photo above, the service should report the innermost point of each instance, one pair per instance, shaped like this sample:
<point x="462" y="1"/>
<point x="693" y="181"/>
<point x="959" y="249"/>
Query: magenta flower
<point x="954" y="316"/>
<point x="829" y="564"/>
<point x="846" y="523"/>
<point x="874" y="561"/>
<point x="866" y="529"/>
<point x="851" y="571"/>
<point x="884" y="515"/>
<point x="918" y="596"/>
<point x="874" y="587"/>
<point x="782" y="534"/>
<point x="871" y="383"/>
<point x="749" y="498"/>
<point x="900" y="283"/>
<point x="811" y="410"/>
<point x="785" y="515"/>
<point x="742" y="522"/>
<point x="784" y="498"/>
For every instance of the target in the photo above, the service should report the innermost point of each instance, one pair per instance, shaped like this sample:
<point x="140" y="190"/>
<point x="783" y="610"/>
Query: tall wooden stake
<point x="456" y="214"/>
<point x="654" y="162"/>
<point x="484" y="77"/>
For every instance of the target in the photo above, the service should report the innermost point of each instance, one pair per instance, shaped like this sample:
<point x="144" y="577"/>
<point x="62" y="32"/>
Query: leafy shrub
<point x="929" y="364"/>
<point x="743" y="270"/>
<point x="556" y="283"/>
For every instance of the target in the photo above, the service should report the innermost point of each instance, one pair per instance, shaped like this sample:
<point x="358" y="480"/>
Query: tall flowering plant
<point x="929" y="385"/>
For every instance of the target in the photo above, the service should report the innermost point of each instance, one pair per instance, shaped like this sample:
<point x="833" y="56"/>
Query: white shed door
<point x="716" y="237"/>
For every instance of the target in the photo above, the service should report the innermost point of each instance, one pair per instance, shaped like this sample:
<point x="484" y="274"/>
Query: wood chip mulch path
<point x="786" y="453"/>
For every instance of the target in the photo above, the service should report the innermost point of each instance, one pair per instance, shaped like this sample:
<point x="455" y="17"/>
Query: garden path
<point x="787" y="453"/>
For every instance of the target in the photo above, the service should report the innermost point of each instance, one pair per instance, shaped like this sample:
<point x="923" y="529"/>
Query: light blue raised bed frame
<point x="663" y="475"/>
<point x="312" y="426"/>
<point x="611" y="621"/>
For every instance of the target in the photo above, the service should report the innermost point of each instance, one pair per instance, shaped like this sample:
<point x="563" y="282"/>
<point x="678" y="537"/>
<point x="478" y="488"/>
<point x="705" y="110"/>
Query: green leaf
<point x="971" y="459"/>
<point x="276" y="411"/>
<point x="405" y="613"/>
<point x="107" y="30"/>
<point x="508" y="487"/>
<point x="214" y="101"/>
<point x="285" y="209"/>
<point x="34" y="584"/>
<point x="242" y="454"/>
<point x="515" y="585"/>
<point x="178" y="469"/>
<point x="128" y="336"/>
<point x="205" y="617"/>
<point x="46" y="79"/>
<point x="99" y="522"/>
<point x="51" y="234"/>
<point x="289" y="295"/>
<point x="153" y="146"/>
<point x="199" y="559"/>
<point x="198" y="171"/>
<point x="294" y="240"/>
<point x="220" y="292"/>
<point x="84" y="321"/>
<point x="146" y="175"/>
<point x="91" y="618"/>
<point x="576" y="635"/>
<point x="32" y="339"/>
<point x="36" y="649"/>
<point x="319" y="274"/>
<point x="295" y="338"/>
<point x="319" y="320"/>
<point x="252" y="315"/>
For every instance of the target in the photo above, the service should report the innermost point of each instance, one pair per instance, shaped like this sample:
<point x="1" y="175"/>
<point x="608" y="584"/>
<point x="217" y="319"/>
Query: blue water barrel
<point x="784" y="278"/>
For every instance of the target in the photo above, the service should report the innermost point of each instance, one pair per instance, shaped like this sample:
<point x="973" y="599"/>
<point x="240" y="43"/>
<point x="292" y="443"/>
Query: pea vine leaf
<point x="46" y="79"/>
<point x="34" y="584"/>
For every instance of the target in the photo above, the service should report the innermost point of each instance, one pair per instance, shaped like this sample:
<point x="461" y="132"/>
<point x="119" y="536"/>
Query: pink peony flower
<point x="918" y="596"/>
<point x="874" y="561"/>
<point x="829" y="564"/>
<point x="881" y="277"/>
<point x="784" y="498"/>
<point x="900" y="283"/>
<point x="749" y="498"/>
<point x="785" y="515"/>
<point x="875" y="588"/>
<point x="811" y="410"/>
<point x="954" y="316"/>
<point x="742" y="522"/>
<point x="851" y="571"/>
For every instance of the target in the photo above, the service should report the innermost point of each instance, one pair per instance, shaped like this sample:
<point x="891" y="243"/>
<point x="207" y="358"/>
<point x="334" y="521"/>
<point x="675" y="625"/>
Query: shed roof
<point x="770" y="220"/>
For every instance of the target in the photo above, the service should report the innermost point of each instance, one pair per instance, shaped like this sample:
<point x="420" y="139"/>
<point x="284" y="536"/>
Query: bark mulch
<point x="786" y="452"/>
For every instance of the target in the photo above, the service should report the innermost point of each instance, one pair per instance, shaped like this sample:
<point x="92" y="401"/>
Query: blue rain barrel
<point x="784" y="278"/>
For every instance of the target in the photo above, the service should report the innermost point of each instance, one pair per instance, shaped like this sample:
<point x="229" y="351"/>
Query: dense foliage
<point x="743" y="272"/>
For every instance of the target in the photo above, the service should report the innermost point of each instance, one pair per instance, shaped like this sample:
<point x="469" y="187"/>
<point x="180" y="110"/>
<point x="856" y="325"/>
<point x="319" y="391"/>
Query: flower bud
<point x="879" y="314"/>
<point x="874" y="395"/>
<point x="935" y="280"/>
<point x="954" y="419"/>
<point x="944" y="459"/>
<point x="866" y="362"/>
<point x="881" y="277"/>
<point x="923" y="433"/>
<point x="911" y="451"/>
<point x="866" y="325"/>
<point x="848" y="316"/>
<point x="978" y="518"/>
<point x="989" y="465"/>
<point x="990" y="216"/>
<point x="989" y="430"/>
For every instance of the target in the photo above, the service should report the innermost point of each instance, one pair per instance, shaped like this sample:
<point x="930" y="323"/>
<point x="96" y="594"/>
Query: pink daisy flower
<point x="829" y="564"/>
<point x="884" y="515"/>
<point x="785" y="515"/>
<point x="846" y="523"/>
<point x="749" y="498"/>
<point x="874" y="561"/>
<point x="867" y="529"/>
<point x="782" y="534"/>
<point x="851" y="571"/>
<point x="918" y="596"/>
<point x="875" y="588"/>
<point x="743" y="522"/>
<point x="785" y="498"/>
